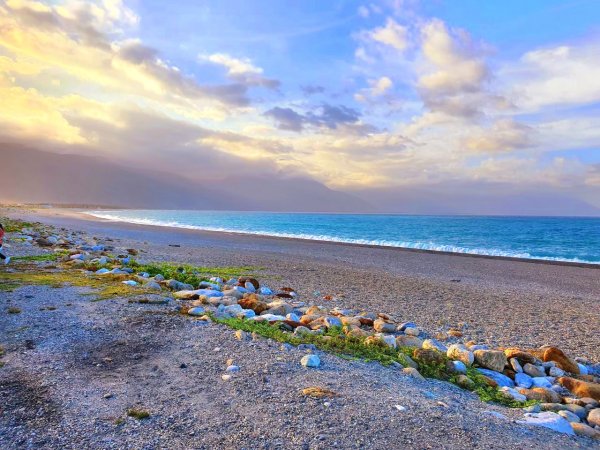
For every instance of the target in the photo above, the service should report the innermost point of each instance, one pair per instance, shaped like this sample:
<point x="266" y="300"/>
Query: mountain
<point x="32" y="176"/>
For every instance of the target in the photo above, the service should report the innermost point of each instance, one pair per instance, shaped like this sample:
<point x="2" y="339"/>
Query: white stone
<point x="550" y="420"/>
<point x="310" y="361"/>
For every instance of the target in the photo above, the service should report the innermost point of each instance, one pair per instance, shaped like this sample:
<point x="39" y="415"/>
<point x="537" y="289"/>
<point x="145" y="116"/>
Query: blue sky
<point x="376" y="96"/>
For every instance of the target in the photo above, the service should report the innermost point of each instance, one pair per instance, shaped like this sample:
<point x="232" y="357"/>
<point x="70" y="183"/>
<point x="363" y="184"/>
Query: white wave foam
<point x="315" y="237"/>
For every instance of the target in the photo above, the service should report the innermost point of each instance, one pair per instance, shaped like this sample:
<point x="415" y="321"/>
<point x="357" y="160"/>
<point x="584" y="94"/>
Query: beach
<point x="501" y="301"/>
<point x="75" y="368"/>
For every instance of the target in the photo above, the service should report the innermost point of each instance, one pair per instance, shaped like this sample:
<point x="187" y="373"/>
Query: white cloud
<point x="392" y="34"/>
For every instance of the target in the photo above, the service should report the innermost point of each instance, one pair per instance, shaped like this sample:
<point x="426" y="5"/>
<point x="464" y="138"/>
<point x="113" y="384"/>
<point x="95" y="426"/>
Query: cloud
<point x="241" y="70"/>
<point x="503" y="136"/>
<point x="325" y="115"/>
<point x="311" y="89"/>
<point x="392" y="34"/>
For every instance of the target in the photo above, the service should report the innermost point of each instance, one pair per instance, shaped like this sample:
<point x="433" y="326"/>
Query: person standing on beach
<point x="2" y="255"/>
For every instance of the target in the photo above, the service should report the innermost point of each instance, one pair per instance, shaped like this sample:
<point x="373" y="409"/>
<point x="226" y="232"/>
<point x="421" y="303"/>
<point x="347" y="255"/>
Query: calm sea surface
<point x="551" y="238"/>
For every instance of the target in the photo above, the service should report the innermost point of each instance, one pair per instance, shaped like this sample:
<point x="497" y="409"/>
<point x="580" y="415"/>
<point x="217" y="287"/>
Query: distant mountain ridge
<point x="34" y="176"/>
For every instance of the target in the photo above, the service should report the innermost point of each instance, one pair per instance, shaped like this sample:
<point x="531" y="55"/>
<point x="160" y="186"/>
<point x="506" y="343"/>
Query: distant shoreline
<point x="85" y="214"/>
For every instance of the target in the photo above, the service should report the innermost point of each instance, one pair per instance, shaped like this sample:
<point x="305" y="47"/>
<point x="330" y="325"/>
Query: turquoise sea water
<point x="550" y="238"/>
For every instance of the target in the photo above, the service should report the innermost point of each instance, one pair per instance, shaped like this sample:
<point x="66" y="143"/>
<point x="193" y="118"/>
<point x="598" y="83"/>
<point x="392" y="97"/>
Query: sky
<point x="394" y="101"/>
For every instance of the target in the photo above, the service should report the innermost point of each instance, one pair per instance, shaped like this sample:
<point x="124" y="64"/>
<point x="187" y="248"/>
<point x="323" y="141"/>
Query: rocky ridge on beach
<point x="558" y="391"/>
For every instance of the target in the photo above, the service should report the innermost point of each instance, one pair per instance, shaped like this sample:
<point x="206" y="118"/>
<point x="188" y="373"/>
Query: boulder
<point x="582" y="429"/>
<point x="412" y="331"/>
<point x="522" y="356"/>
<point x="253" y="281"/>
<point x="581" y="388"/>
<point x="561" y="360"/>
<point x="465" y="382"/>
<point x="382" y="326"/>
<point x="434" y="345"/>
<point x="310" y="361"/>
<point x="541" y="394"/>
<point x="593" y="417"/>
<point x="409" y="341"/>
<point x="196" y="311"/>
<point x="523" y="380"/>
<point x="254" y="304"/>
<point x="548" y="420"/>
<point x="533" y="371"/>
<point x="491" y="359"/>
<point x="428" y="356"/>
<point x="459" y="352"/>
<point x="500" y="379"/>
<point x="513" y="394"/>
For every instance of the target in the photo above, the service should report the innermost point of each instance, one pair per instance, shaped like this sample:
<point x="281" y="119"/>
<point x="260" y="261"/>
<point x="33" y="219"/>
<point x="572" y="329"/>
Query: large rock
<point x="548" y="420"/>
<point x="533" y="371"/>
<point x="561" y="360"/>
<point x="434" y="344"/>
<point x="310" y="361"/>
<point x="541" y="394"/>
<point x="522" y="356"/>
<point x="409" y="341"/>
<point x="581" y="388"/>
<point x="491" y="359"/>
<point x="253" y="303"/>
<point x="428" y="356"/>
<point x="459" y="352"/>
<point x="523" y="380"/>
<point x="582" y="429"/>
<point x="593" y="417"/>
<point x="382" y="326"/>
<point x="500" y="379"/>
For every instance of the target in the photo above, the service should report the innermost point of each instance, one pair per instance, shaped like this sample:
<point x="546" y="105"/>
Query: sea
<point x="572" y="239"/>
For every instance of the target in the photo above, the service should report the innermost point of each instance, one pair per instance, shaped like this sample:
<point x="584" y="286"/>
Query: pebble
<point x="232" y="368"/>
<point x="310" y="361"/>
<point x="226" y="377"/>
<point x="196" y="311"/>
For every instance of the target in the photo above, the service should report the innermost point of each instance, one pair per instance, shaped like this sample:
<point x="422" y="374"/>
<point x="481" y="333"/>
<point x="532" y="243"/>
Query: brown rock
<point x="465" y="382"/>
<point x="541" y="394"/>
<point x="354" y="331"/>
<point x="308" y="318"/>
<point x="366" y="321"/>
<point x="521" y="356"/>
<point x="593" y="417"/>
<point x="351" y="321"/>
<point x="382" y="326"/>
<point x="455" y="333"/>
<point x="292" y="323"/>
<point x="581" y="388"/>
<point x="561" y="360"/>
<point x="408" y="341"/>
<point x="132" y="251"/>
<point x="491" y="359"/>
<point x="428" y="356"/>
<point x="254" y="304"/>
<point x="315" y="311"/>
<point x="489" y="381"/>
<point x="582" y="429"/>
<point x="509" y="373"/>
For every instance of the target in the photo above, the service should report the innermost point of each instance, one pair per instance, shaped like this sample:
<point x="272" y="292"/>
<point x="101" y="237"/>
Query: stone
<point x="242" y="335"/>
<point x="521" y="356"/>
<point x="382" y="326"/>
<point x="268" y="318"/>
<point x="130" y="282"/>
<point x="516" y="365"/>
<point x="459" y="367"/>
<point x="412" y="372"/>
<point x="581" y="388"/>
<point x="232" y="310"/>
<point x="593" y="417"/>
<point x="412" y="331"/>
<point x="408" y="361"/>
<point x="253" y="303"/>
<point x="533" y="371"/>
<point x="541" y="394"/>
<point x="428" y="356"/>
<point x="500" y="379"/>
<point x="434" y="345"/>
<point x="153" y="286"/>
<point x="253" y="281"/>
<point x="532" y="408"/>
<point x="232" y="369"/>
<point x="579" y="411"/>
<point x="589" y="402"/>
<point x="523" y="380"/>
<point x="491" y="359"/>
<point x="582" y="429"/>
<point x="301" y="330"/>
<point x="249" y="287"/>
<point x="310" y="361"/>
<point x="583" y="370"/>
<point x="465" y="382"/>
<point x="389" y="340"/>
<point x="293" y="317"/>
<point x="549" y="420"/>
<point x="245" y="314"/>
<point x="541" y="382"/>
<point x="265" y="291"/>
<point x="561" y="360"/>
<point x="405" y="325"/>
<point x="513" y="394"/>
<point x="556" y="372"/>
<point x="461" y="353"/>
<point x="409" y="341"/>
<point x="331" y="321"/>
<point x="196" y="311"/>
<point x="553" y="407"/>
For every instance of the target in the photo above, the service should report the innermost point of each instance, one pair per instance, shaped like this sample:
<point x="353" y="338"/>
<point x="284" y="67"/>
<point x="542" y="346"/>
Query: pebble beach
<point x="526" y="327"/>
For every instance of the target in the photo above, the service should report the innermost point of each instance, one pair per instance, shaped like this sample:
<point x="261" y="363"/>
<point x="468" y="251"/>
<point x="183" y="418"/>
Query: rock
<point x="249" y="287"/>
<point x="500" y="379"/>
<point x="130" y="282"/>
<point x="405" y="325"/>
<point x="491" y="359"/>
<point x="153" y="285"/>
<point x="331" y="321"/>
<point x="412" y="331"/>
<point x="232" y="369"/>
<point x="465" y="382"/>
<point x="548" y="420"/>
<point x="589" y="402"/>
<point x="556" y="407"/>
<point x="253" y="303"/>
<point x="408" y="361"/>
<point x="434" y="345"/>
<point x="581" y="388"/>
<point x="513" y="394"/>
<point x="310" y="361"/>
<point x="541" y="394"/>
<point x="253" y="281"/>
<point x="533" y="371"/>
<point x="541" y="382"/>
<point x="159" y="278"/>
<point x="532" y="408"/>
<point x="523" y="380"/>
<point x="593" y="417"/>
<point x="241" y="335"/>
<point x="268" y="318"/>
<point x="389" y="340"/>
<point x="382" y="326"/>
<point x="196" y="311"/>
<point x="521" y="356"/>
<point x="235" y="293"/>
<point x="225" y="377"/>
<point x="556" y="372"/>
<point x="412" y="372"/>
<point x="265" y="291"/>
<point x="301" y="330"/>
<point x="459" y="352"/>
<point x="581" y="429"/>
<point x="561" y="360"/>
<point x="516" y="365"/>
<point x="459" y="367"/>
<point x="409" y="341"/>
<point x="245" y="314"/>
<point x="428" y="356"/>
<point x="579" y="411"/>
<point x="101" y="271"/>
<point x="293" y="317"/>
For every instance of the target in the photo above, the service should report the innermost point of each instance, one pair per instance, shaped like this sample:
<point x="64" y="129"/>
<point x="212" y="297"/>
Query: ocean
<point x="572" y="239"/>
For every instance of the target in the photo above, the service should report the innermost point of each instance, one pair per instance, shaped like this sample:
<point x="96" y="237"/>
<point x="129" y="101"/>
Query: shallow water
<point x="551" y="238"/>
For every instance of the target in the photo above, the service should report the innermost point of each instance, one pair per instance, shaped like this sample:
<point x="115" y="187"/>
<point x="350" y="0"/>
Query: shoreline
<point x="86" y="215"/>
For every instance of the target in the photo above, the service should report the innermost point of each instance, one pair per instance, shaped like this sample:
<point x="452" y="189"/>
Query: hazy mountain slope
<point x="28" y="175"/>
